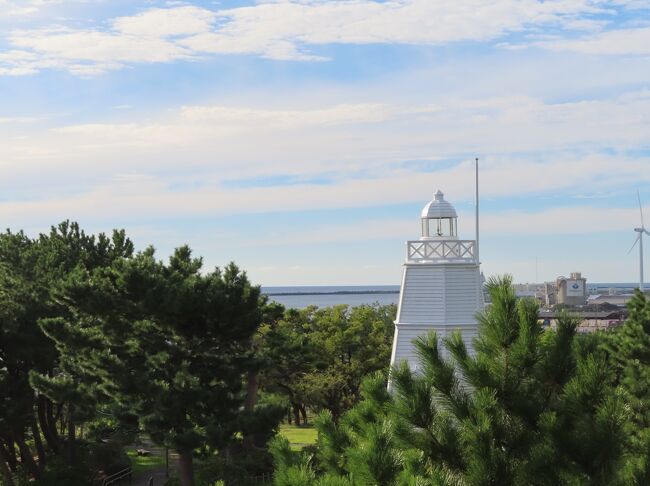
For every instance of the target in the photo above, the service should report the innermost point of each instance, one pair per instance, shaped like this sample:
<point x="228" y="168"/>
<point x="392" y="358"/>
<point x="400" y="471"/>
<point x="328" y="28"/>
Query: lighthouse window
<point x="439" y="227"/>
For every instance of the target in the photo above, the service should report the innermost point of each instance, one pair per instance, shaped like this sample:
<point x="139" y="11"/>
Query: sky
<point x="301" y="138"/>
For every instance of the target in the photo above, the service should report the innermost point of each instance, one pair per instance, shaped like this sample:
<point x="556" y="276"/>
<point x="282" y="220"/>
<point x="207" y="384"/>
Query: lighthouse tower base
<point x="439" y="296"/>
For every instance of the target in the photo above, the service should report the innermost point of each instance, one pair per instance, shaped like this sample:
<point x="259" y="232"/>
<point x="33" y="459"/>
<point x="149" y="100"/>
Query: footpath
<point x="158" y="473"/>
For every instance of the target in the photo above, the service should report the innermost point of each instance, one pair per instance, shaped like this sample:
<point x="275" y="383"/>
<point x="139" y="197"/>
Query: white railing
<point x="440" y="250"/>
<point x="125" y="473"/>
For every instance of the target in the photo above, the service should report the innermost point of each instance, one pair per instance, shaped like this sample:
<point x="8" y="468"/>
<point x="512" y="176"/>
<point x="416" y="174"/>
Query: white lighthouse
<point x="441" y="284"/>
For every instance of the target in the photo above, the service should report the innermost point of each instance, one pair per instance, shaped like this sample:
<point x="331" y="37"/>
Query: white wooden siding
<point x="442" y="297"/>
<point x="439" y="294"/>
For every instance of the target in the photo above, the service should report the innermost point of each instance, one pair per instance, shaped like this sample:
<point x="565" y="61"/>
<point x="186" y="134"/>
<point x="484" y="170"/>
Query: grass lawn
<point x="141" y="464"/>
<point x="299" y="437"/>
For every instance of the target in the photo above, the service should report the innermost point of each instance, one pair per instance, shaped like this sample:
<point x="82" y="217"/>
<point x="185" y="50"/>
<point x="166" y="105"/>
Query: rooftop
<point x="438" y="207"/>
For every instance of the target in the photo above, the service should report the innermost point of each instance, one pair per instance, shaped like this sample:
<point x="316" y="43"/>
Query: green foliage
<point x="165" y="341"/>
<point x="116" y="341"/>
<point x="93" y="334"/>
<point x="107" y="457"/>
<point x="59" y="473"/>
<point x="241" y="469"/>
<point x="318" y="358"/>
<point x="92" y="457"/>
<point x="141" y="464"/>
<point x="292" y="469"/>
<point x="31" y="272"/>
<point x="113" y="424"/>
<point x="528" y="407"/>
<point x="628" y="350"/>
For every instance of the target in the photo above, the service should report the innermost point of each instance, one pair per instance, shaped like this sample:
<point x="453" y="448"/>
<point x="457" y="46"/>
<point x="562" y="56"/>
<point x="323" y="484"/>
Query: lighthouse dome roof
<point x="438" y="208"/>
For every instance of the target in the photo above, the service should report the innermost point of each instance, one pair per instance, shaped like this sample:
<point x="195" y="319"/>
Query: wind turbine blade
<point x="635" y="242"/>
<point x="638" y="196"/>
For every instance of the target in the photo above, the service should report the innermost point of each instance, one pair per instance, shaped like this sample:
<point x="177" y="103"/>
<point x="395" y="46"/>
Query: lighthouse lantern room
<point x="441" y="284"/>
<point x="439" y="219"/>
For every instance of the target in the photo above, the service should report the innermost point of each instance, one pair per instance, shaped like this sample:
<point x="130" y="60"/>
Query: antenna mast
<point x="477" y="256"/>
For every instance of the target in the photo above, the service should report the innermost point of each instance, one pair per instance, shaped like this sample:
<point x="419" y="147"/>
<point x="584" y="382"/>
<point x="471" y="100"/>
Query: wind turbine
<point x="639" y="240"/>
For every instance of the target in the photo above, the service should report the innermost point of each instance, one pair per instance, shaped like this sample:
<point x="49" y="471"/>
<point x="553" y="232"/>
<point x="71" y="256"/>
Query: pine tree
<point x="318" y="358"/>
<point x="166" y="341"/>
<point x="628" y="349"/>
<point x="30" y="272"/>
<point x="527" y="408"/>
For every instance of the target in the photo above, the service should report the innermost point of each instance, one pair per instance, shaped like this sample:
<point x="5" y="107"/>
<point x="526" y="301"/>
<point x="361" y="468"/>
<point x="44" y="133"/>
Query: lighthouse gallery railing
<point x="434" y="250"/>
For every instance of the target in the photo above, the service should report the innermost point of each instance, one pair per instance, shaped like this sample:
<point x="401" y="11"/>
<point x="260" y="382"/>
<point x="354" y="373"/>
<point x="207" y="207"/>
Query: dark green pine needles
<point x="164" y="342"/>
<point x="531" y="407"/>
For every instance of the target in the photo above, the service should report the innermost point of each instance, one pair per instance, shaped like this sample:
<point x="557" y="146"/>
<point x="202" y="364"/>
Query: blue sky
<point x="300" y="138"/>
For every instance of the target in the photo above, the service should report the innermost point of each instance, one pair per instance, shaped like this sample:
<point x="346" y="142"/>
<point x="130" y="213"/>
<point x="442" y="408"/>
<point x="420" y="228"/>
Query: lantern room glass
<point x="439" y="228"/>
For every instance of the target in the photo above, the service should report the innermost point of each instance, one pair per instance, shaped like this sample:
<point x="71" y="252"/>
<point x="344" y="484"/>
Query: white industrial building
<point x="572" y="290"/>
<point x="441" y="284"/>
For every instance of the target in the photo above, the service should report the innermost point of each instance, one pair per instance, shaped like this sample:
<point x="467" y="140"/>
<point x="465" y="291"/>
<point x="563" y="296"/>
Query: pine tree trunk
<point x="4" y="467"/>
<point x="186" y="468"/>
<point x="303" y="412"/>
<point x="44" y="405"/>
<point x="71" y="437"/>
<point x="8" y="450"/>
<point x="6" y="458"/>
<point x="26" y="457"/>
<point x="53" y="418"/>
<point x="38" y="442"/>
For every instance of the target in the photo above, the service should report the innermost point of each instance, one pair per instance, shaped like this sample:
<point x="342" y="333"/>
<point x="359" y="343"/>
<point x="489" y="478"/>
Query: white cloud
<point x="359" y="113"/>
<point x="634" y="41"/>
<point x="175" y="165"/>
<point x="562" y="220"/>
<point x="159" y="22"/>
<point x="207" y="159"/>
<point x="397" y="21"/>
<point x="283" y="30"/>
<point x="230" y="127"/>
<point x="320" y="139"/>
<point x="85" y="52"/>
<point x="360" y="148"/>
<point x="13" y="9"/>
<point x="7" y="120"/>
<point x="565" y="220"/>
<point x="141" y="197"/>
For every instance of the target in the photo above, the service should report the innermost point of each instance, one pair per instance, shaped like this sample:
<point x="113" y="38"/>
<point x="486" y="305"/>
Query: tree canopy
<point x="317" y="358"/>
<point x="31" y="271"/>
<point x="532" y="406"/>
<point x="96" y="335"/>
<point x="91" y="326"/>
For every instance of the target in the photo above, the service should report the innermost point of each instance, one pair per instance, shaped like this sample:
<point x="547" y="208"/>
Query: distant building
<point x="550" y="295"/>
<point x="602" y="319"/>
<point x="441" y="284"/>
<point x="531" y="291"/>
<point x="572" y="290"/>
<point x="620" y="300"/>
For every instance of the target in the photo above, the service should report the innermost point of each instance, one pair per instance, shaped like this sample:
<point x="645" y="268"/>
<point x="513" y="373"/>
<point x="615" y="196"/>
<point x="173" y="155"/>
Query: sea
<point x="324" y="296"/>
<point x="299" y="297"/>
